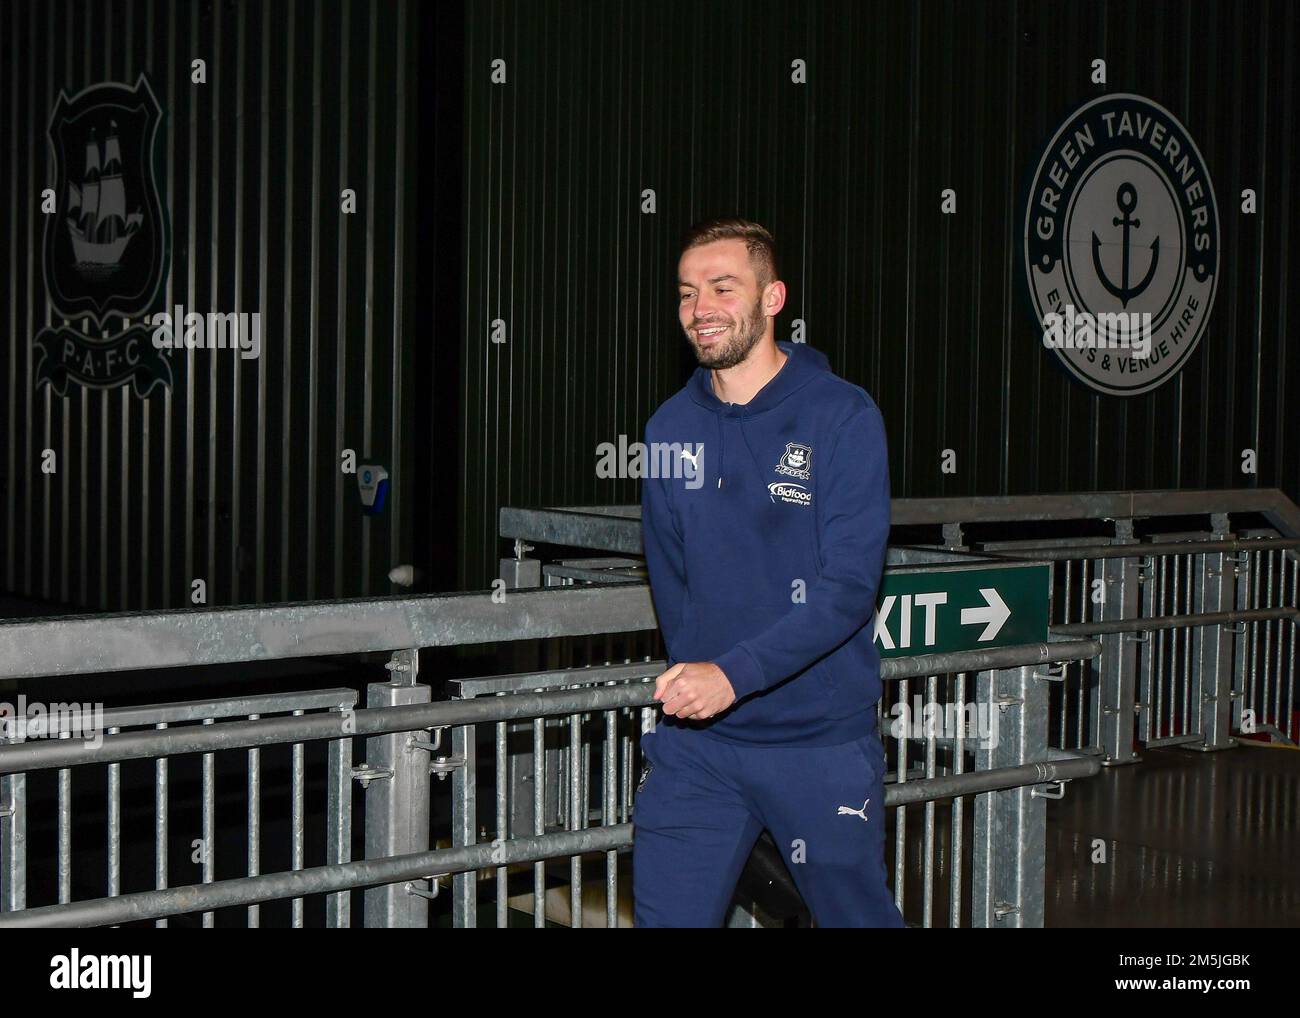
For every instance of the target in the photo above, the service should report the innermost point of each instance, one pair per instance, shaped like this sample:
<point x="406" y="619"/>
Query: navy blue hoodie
<point x="766" y="562"/>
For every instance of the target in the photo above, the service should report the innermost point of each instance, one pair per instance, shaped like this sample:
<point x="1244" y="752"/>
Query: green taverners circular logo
<point x="1121" y="244"/>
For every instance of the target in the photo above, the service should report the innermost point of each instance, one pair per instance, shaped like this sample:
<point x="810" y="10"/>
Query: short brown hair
<point x="759" y="243"/>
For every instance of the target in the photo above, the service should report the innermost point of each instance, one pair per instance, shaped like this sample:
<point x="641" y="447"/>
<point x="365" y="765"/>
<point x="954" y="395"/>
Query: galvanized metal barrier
<point x="1006" y="880"/>
<point x="121" y="732"/>
<point x="1199" y="633"/>
<point x="393" y="875"/>
<point x="411" y="740"/>
<point x="564" y="760"/>
<point x="31" y="650"/>
<point x="1188" y="637"/>
<point x="1199" y="627"/>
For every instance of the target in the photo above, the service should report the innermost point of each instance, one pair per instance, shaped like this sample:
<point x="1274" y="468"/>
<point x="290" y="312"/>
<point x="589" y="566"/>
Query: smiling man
<point x="764" y="579"/>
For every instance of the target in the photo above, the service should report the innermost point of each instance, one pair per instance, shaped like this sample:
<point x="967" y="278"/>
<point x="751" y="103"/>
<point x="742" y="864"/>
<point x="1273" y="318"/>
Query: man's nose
<point x="704" y="311"/>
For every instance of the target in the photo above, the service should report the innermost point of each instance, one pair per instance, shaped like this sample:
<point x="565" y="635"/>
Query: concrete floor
<point x="1191" y="839"/>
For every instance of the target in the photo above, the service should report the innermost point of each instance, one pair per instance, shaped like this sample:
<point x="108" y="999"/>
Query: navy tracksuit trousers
<point x="703" y="802"/>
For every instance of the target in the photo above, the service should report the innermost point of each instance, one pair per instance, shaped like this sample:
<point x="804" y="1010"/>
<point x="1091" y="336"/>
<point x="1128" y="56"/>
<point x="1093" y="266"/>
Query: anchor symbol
<point x="1126" y="199"/>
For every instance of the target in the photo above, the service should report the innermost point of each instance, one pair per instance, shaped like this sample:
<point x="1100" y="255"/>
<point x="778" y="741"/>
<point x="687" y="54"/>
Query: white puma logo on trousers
<point x="844" y="810"/>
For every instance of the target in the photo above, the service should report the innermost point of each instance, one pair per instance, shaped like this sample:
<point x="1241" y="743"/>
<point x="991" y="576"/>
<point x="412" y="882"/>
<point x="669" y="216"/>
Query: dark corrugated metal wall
<point x="926" y="311"/>
<point x="232" y="476"/>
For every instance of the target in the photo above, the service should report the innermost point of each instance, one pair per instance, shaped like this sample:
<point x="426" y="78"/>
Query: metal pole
<point x="396" y="779"/>
<point x="1118" y="689"/>
<point x="13" y="842"/>
<point x="1010" y="826"/>
<point x="464" y="821"/>
<point x="338" y="907"/>
<point x="1212" y="662"/>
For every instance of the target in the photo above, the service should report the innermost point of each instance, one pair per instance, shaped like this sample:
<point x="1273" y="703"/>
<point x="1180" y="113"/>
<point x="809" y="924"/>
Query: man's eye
<point x="687" y="296"/>
<point x="723" y="290"/>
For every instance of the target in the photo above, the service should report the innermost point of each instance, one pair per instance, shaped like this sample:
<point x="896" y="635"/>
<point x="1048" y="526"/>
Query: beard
<point x="741" y="338"/>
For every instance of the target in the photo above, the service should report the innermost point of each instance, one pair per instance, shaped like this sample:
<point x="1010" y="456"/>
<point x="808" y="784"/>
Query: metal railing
<point x="1004" y="883"/>
<point x="1157" y="638"/>
<point x="1199" y="627"/>
<point x="403" y="733"/>
<point x="1200" y="635"/>
<point x="158" y="732"/>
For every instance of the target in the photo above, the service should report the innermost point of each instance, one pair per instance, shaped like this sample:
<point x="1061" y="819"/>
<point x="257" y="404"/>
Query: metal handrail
<point x="338" y="724"/>
<point x="618" y="528"/>
<point x="1140" y="625"/>
<point x="1272" y="503"/>
<point x="1139" y="549"/>
<point x="125" y="641"/>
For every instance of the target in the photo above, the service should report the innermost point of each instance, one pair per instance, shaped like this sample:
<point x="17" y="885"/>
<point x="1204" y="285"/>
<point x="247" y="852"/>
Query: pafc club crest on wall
<point x="105" y="243"/>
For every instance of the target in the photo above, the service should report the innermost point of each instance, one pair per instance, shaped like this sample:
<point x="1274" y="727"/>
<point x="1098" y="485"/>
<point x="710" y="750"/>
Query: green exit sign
<point x="936" y="610"/>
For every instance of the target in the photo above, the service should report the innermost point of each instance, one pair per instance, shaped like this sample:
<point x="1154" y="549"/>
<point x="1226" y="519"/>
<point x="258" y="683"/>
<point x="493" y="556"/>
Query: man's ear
<point x="774" y="300"/>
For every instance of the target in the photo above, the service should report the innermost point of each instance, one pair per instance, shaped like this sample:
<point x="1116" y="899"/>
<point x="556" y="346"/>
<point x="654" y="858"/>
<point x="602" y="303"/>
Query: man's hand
<point x="694" y="690"/>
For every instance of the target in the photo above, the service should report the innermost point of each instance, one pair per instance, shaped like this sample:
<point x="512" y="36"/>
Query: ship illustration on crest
<point x="97" y="218"/>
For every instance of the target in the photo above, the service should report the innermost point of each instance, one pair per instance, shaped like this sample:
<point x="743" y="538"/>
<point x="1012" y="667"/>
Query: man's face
<point x="720" y="305"/>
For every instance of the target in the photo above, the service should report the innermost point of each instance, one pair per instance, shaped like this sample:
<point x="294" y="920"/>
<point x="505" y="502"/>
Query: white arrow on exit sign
<point x="994" y="615"/>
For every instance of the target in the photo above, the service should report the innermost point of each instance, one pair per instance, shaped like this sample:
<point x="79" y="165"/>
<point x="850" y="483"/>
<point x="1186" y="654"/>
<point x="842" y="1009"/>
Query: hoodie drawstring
<point x="722" y="455"/>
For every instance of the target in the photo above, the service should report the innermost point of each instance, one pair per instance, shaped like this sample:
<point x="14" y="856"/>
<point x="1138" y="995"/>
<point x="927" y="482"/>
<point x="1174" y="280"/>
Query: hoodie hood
<point x="803" y="364"/>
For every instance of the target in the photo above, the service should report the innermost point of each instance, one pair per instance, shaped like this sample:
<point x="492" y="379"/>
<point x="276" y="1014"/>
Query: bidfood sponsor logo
<point x="795" y="494"/>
